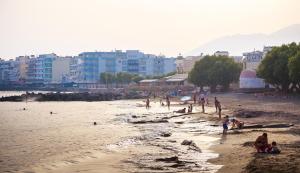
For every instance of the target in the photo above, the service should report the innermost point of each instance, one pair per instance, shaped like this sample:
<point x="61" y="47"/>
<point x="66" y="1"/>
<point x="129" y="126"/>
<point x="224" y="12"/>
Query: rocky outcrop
<point x="68" y="97"/>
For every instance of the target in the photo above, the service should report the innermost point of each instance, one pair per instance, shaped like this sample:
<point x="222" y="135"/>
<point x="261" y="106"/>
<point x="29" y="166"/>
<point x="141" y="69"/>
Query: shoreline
<point x="161" y="140"/>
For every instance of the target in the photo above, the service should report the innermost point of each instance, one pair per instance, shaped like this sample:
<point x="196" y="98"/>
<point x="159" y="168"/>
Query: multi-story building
<point x="185" y="65"/>
<point x="251" y="60"/>
<point x="92" y="64"/>
<point x="85" y="68"/>
<point x="22" y="64"/>
<point x="5" y="71"/>
<point x="60" y="69"/>
<point x="74" y="70"/>
<point x="9" y="71"/>
<point x="40" y="68"/>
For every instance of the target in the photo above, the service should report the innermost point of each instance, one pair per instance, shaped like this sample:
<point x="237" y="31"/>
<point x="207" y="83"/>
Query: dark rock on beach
<point x="149" y="121"/>
<point x="168" y="159"/>
<point x="166" y="134"/>
<point x="191" y="144"/>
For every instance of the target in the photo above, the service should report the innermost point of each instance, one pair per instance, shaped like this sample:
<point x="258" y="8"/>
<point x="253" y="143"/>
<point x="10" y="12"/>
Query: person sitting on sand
<point x="261" y="143"/>
<point x="237" y="124"/>
<point x="225" y="124"/>
<point x="274" y="149"/>
<point x="180" y="110"/>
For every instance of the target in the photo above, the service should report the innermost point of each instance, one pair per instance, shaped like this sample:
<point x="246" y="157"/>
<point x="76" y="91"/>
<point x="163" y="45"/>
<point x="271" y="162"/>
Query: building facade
<point x="185" y="65"/>
<point x="40" y="68"/>
<point x="92" y="64"/>
<point x="251" y="60"/>
<point x="61" y="69"/>
<point x="84" y="68"/>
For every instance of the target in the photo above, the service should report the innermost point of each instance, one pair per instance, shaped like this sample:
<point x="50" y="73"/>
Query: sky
<point x="169" y="27"/>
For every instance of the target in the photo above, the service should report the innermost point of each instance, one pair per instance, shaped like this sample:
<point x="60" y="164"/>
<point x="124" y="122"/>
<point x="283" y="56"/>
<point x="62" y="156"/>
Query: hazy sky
<point x="68" y="27"/>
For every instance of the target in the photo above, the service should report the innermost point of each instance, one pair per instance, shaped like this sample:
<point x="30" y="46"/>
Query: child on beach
<point x="225" y="124"/>
<point x="274" y="149"/>
<point x="237" y="124"/>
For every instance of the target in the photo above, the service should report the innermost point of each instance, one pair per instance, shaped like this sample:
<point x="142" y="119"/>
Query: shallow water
<point x="33" y="137"/>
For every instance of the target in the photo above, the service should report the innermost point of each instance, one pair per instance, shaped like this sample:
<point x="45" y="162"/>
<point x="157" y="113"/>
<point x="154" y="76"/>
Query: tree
<point x="213" y="71"/>
<point x="274" y="67"/>
<point x="294" y="70"/>
<point x="107" y="78"/>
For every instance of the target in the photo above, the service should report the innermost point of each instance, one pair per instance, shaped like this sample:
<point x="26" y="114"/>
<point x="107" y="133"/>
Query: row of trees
<point x="122" y="78"/>
<point x="215" y="71"/>
<point x="281" y="67"/>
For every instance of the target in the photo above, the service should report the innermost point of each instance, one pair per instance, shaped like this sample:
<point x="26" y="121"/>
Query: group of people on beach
<point x="190" y="109"/>
<point x="236" y="124"/>
<point x="262" y="146"/>
<point x="261" y="143"/>
<point x="168" y="102"/>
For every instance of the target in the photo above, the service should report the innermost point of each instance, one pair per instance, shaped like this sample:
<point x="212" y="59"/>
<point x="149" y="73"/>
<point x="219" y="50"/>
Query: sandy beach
<point x="236" y="150"/>
<point x="130" y="138"/>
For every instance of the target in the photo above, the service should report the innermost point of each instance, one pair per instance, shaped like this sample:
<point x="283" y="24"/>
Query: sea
<point x="104" y="136"/>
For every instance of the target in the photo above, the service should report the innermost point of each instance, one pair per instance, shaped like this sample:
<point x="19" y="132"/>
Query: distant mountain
<point x="237" y="44"/>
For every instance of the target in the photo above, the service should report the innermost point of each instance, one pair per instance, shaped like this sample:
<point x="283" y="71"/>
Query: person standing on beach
<point x="206" y="98"/>
<point x="147" y="103"/>
<point x="202" y="102"/>
<point x="195" y="98"/>
<point x="220" y="109"/>
<point x="216" y="104"/>
<point x="168" y="102"/>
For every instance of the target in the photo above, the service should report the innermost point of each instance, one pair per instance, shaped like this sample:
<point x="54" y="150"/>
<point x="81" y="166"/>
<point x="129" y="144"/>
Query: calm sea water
<point x="34" y="137"/>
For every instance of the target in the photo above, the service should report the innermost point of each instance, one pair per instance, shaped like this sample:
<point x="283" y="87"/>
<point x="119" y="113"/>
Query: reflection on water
<point x="35" y="137"/>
